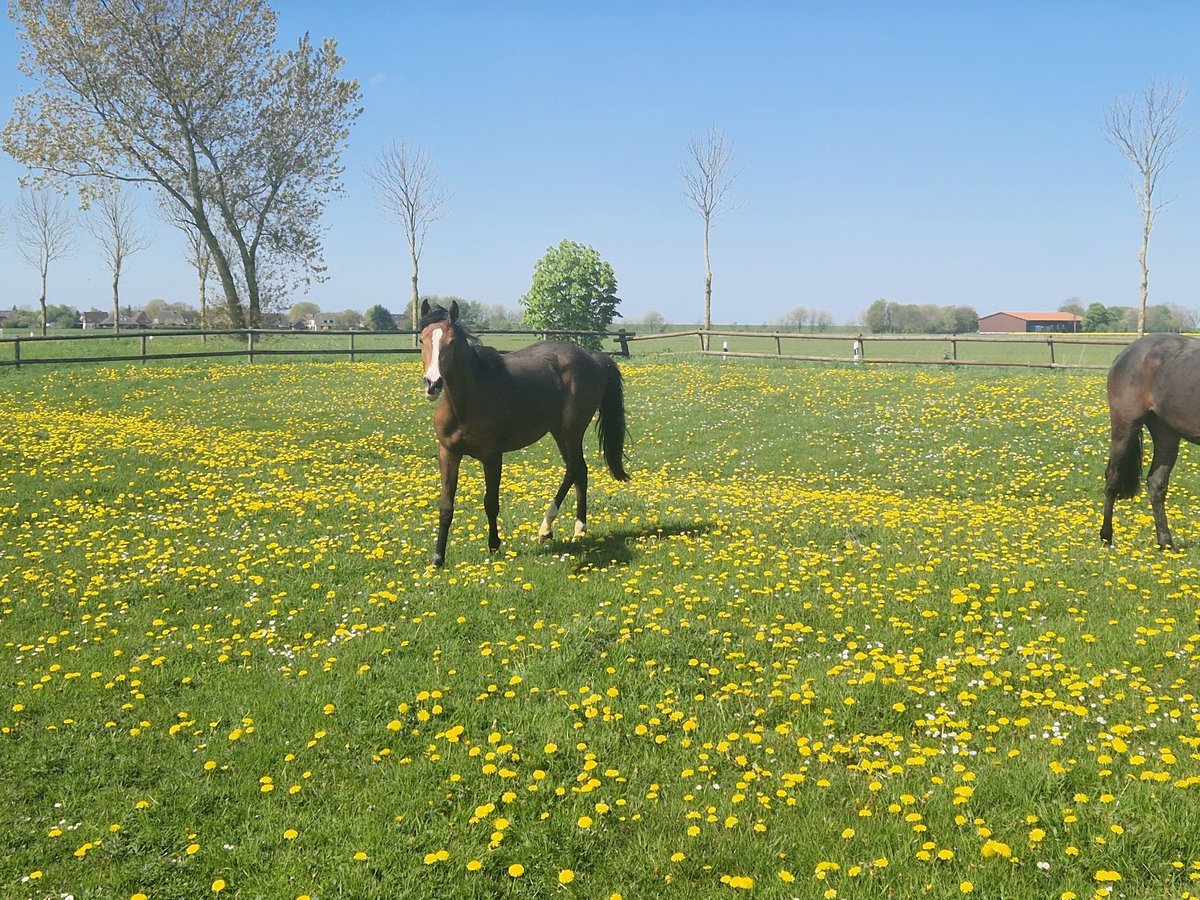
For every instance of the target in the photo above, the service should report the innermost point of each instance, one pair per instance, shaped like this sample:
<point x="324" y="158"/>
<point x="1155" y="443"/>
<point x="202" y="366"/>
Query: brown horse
<point x="490" y="404"/>
<point x="1153" y="382"/>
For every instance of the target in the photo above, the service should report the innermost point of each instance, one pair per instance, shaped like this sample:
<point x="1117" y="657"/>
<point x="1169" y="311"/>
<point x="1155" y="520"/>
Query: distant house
<point x="92" y="318"/>
<point x="1007" y="322"/>
<point x="319" y="322"/>
<point x="7" y="316"/>
<point x="140" y="320"/>
<point x="170" y="318"/>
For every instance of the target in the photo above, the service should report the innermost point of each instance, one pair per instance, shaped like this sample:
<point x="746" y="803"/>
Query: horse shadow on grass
<point x="617" y="546"/>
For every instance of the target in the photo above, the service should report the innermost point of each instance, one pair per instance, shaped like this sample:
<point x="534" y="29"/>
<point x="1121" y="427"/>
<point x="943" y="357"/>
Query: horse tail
<point x="610" y="426"/>
<point x="1128" y="467"/>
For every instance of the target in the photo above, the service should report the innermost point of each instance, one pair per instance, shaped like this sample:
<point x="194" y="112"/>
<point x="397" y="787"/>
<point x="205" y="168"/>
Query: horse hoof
<point x="439" y="561"/>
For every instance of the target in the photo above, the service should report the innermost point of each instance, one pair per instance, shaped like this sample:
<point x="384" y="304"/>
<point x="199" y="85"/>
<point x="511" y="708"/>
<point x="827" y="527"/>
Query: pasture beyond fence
<point x="1048" y="351"/>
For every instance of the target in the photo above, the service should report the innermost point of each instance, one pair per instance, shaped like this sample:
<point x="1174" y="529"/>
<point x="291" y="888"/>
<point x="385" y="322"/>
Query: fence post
<point x="954" y="349"/>
<point x="700" y="334"/>
<point x="623" y="340"/>
<point x="778" y="346"/>
<point x="352" y="346"/>
<point x="17" y="353"/>
<point x="1050" y="343"/>
<point x="250" y="345"/>
<point x="143" y="341"/>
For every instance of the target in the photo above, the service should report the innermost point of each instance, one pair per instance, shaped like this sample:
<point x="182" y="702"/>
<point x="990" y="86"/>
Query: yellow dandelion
<point x="516" y="870"/>
<point x="566" y="876"/>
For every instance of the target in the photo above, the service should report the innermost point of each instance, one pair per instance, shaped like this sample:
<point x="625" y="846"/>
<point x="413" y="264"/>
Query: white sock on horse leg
<point x="548" y="520"/>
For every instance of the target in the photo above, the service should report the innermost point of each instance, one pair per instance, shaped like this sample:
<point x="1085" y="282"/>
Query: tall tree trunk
<point x="42" y="303"/>
<point x="415" y="302"/>
<point x="116" y="302"/>
<point x="202" y="275"/>
<point x="1147" y="224"/>
<point x="707" y="288"/>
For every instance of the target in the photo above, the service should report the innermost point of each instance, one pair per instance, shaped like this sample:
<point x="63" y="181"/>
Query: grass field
<point x="848" y="632"/>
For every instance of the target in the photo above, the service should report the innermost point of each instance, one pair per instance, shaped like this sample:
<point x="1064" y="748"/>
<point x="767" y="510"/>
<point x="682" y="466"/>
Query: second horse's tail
<point x="610" y="426"/>
<point x="1127" y="468"/>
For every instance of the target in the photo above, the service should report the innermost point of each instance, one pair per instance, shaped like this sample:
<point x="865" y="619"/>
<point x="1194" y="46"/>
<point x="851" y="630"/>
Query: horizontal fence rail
<point x="1042" y="350"/>
<point x="1036" y="350"/>
<point x="254" y="343"/>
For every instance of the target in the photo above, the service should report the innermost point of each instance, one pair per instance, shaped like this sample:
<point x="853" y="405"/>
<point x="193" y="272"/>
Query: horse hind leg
<point x="576" y="474"/>
<point x="1123" y="475"/>
<point x="1166" y="451"/>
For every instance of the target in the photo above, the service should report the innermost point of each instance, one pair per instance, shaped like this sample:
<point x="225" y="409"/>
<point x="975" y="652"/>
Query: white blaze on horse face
<point x="548" y="521"/>
<point x="433" y="371"/>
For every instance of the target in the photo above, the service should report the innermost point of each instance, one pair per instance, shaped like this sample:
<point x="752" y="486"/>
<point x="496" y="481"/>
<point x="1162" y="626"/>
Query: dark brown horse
<point x="1154" y="382"/>
<point x="490" y="404"/>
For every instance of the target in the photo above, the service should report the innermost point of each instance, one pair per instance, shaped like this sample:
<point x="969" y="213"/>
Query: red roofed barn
<point x="1005" y="322"/>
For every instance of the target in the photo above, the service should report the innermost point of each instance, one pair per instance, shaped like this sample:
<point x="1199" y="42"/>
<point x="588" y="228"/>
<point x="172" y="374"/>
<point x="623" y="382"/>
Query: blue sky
<point x="946" y="153"/>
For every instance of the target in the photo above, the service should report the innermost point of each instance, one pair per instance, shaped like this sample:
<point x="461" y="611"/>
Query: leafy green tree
<point x="573" y="290"/>
<point x="60" y="315"/>
<point x="377" y="318"/>
<point x="1096" y="317"/>
<point x="301" y="311"/>
<point x="347" y="319"/>
<point x="194" y="98"/>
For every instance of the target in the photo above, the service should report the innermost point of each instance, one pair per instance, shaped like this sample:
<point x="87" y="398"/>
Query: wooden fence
<point x="1047" y="351"/>
<point x="148" y="345"/>
<point x="1040" y="350"/>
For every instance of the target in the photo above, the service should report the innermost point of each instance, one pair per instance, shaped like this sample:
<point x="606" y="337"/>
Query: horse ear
<point x="453" y="311"/>
<point x="425" y="306"/>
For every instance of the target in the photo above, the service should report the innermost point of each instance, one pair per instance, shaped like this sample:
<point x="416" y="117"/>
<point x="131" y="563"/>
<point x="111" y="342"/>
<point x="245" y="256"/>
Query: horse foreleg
<point x="1166" y="451"/>
<point x="448" y="463"/>
<point x="491" y="498"/>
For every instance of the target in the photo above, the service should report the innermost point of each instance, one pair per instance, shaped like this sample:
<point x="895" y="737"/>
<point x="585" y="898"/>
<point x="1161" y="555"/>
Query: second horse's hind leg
<point x="576" y="475"/>
<point x="1166" y="451"/>
<point x="1123" y="472"/>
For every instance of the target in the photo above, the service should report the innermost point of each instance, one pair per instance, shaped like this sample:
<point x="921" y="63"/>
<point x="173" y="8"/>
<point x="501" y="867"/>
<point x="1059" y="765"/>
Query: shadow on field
<point x="618" y="546"/>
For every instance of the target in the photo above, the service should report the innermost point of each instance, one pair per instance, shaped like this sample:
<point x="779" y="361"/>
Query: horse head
<point x="437" y="335"/>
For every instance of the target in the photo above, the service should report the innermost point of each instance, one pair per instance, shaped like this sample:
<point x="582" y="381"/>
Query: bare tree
<point x="43" y="234"/>
<point x="706" y="182"/>
<point x="1145" y="129"/>
<point x="112" y="224"/>
<point x="407" y="193"/>
<point x="199" y="257"/>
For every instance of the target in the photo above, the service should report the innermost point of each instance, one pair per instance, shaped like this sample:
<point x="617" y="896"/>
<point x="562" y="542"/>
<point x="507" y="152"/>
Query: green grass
<point x="850" y="626"/>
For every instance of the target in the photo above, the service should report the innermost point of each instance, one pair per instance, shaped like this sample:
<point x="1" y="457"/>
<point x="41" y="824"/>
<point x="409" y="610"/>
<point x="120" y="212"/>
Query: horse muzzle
<point x="433" y="388"/>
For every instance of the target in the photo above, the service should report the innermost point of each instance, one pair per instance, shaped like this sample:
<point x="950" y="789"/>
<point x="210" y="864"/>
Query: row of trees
<point x="239" y="141"/>
<point x="241" y="144"/>
<point x="1125" y="319"/>
<point x="45" y="233"/>
<point x="886" y="317"/>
